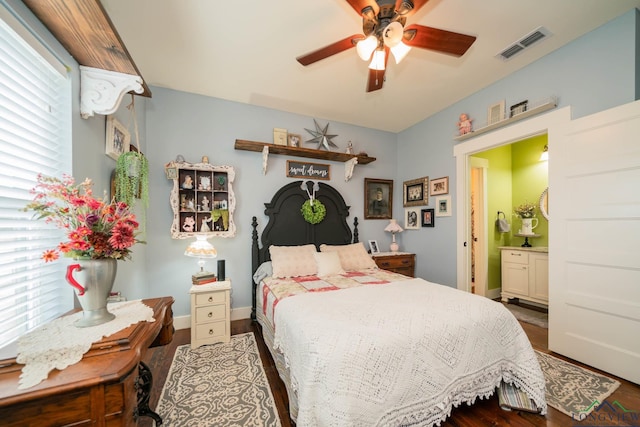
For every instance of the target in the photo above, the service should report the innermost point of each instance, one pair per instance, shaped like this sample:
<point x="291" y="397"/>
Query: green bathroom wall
<point x="530" y="178"/>
<point x="515" y="175"/>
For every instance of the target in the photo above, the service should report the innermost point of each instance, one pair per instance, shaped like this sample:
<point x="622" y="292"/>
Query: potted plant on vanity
<point x="527" y="214"/>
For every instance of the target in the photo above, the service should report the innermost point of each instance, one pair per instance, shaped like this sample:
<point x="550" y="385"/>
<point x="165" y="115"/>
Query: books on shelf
<point x="202" y="278"/>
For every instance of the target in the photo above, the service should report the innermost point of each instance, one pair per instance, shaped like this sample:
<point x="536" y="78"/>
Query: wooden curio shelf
<point x="301" y="152"/>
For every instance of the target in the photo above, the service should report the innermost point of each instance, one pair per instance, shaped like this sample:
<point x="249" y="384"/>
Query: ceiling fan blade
<point x="375" y="80"/>
<point x="439" y="40"/>
<point x="358" y="5"/>
<point x="332" y="49"/>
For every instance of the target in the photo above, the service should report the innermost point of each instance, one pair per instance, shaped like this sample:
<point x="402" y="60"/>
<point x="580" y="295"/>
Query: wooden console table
<point x="109" y="387"/>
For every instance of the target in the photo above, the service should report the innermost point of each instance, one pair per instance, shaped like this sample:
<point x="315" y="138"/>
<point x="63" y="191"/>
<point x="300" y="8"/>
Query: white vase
<point x="528" y="225"/>
<point x="94" y="282"/>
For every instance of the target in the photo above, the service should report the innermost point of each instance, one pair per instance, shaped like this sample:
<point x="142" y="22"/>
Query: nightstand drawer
<point x="210" y="298"/>
<point x="211" y="331"/>
<point x="398" y="263"/>
<point x="210" y="313"/>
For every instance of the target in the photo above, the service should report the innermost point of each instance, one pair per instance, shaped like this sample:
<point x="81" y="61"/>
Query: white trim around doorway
<point x="539" y="125"/>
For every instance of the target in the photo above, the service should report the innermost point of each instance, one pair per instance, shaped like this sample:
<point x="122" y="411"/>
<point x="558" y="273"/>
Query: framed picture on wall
<point x="412" y="219"/>
<point x="378" y="198"/>
<point x="118" y="138"/>
<point x="416" y="192"/>
<point x="443" y="206"/>
<point x="428" y="217"/>
<point x="439" y="186"/>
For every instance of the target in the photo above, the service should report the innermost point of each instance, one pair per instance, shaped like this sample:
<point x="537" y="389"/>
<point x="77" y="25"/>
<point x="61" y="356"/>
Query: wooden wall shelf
<point x="545" y="105"/>
<point x="301" y="152"/>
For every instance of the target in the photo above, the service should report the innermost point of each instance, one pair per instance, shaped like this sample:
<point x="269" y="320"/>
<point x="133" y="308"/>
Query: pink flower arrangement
<point x="95" y="229"/>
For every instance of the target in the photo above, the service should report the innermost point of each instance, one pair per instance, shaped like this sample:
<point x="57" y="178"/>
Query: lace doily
<point x="59" y="344"/>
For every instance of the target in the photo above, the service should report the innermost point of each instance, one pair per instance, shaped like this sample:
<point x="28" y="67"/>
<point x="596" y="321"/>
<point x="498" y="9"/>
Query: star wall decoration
<point x="320" y="136"/>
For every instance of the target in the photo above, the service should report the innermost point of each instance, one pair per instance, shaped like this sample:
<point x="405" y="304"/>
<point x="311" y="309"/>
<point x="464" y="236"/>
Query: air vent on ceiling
<point x="535" y="36"/>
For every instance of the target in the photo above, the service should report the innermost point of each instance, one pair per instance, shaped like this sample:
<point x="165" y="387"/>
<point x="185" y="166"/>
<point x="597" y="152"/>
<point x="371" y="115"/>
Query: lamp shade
<point x="399" y="51"/>
<point x="378" y="60"/>
<point x="201" y="248"/>
<point x="393" y="227"/>
<point x="366" y="47"/>
<point x="545" y="154"/>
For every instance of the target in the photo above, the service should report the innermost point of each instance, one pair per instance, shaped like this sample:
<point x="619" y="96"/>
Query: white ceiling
<point x="245" y="51"/>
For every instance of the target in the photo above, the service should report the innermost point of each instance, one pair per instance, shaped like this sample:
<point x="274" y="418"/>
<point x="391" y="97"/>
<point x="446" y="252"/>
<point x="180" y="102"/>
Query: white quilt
<point x="399" y="354"/>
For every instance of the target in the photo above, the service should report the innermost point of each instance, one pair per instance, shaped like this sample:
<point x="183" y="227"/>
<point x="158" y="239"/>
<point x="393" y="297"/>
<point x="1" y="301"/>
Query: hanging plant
<point x="132" y="178"/>
<point x="313" y="213"/>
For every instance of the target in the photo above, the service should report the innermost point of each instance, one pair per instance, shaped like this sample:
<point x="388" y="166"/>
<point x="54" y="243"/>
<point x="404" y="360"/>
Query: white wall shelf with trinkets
<point x="202" y="200"/>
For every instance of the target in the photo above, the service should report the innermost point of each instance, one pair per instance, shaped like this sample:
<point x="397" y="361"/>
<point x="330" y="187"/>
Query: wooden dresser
<point x="398" y="262"/>
<point x="109" y="387"/>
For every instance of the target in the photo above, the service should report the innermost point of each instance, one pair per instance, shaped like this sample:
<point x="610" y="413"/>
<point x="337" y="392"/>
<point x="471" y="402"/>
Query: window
<point x="35" y="137"/>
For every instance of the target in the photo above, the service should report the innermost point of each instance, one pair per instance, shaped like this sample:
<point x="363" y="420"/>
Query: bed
<point x="359" y="346"/>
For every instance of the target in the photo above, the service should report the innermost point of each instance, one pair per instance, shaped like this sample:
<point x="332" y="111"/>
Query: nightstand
<point x="398" y="262"/>
<point x="210" y="313"/>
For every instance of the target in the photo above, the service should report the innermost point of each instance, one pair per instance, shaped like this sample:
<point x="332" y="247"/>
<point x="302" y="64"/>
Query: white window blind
<point x="35" y="137"/>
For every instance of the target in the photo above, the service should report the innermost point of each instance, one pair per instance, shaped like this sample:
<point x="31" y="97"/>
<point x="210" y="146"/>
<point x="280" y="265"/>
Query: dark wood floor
<point x="482" y="413"/>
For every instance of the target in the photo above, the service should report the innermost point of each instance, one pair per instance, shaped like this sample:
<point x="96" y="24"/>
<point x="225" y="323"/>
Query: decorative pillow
<point x="293" y="261"/>
<point x="352" y="257"/>
<point x="265" y="270"/>
<point x="328" y="263"/>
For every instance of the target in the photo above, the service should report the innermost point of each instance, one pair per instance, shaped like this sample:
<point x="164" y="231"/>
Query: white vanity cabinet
<point x="525" y="274"/>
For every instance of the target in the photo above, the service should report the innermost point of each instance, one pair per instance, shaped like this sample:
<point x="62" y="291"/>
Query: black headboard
<point x="287" y="227"/>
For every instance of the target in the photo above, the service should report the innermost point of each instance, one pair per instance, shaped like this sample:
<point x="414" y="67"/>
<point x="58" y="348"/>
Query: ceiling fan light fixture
<point x="399" y="51"/>
<point x="366" y="47"/>
<point x="378" y="60"/>
<point x="392" y="34"/>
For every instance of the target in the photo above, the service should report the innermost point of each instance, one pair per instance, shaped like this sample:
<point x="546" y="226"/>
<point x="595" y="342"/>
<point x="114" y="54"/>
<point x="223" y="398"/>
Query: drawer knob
<point x="210" y="299"/>
<point x="210" y="331"/>
<point x="210" y="314"/>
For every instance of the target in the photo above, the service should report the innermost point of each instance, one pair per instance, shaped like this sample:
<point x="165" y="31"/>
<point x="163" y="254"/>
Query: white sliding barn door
<point x="594" y="240"/>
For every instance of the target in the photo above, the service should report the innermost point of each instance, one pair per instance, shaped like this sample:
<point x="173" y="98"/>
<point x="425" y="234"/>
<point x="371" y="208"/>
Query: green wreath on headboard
<point x="315" y="213"/>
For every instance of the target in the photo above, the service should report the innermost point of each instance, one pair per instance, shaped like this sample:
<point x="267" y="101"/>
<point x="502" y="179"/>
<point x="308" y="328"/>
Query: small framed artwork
<point x="373" y="247"/>
<point x="118" y="138"/>
<point x="518" y="108"/>
<point x="279" y="136"/>
<point x="378" y="198"/>
<point x="294" y="139"/>
<point x="428" y="217"/>
<point x="495" y="112"/>
<point x="439" y="186"/>
<point x="416" y="192"/>
<point x="412" y="219"/>
<point x="443" y="206"/>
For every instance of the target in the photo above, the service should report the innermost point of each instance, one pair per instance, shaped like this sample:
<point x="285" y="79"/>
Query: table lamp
<point x="202" y="250"/>
<point x="393" y="228"/>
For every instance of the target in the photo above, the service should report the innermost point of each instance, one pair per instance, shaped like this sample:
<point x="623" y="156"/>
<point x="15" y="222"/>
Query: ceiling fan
<point x="383" y="25"/>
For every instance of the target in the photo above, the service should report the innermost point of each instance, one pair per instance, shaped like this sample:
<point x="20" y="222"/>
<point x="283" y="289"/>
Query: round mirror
<point x="544" y="203"/>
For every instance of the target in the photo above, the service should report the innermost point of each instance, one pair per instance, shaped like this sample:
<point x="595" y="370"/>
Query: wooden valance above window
<point x="86" y="31"/>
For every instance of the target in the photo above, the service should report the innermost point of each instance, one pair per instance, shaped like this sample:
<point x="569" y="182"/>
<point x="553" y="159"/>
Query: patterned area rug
<point x="218" y="385"/>
<point x="529" y="316"/>
<point x="571" y="389"/>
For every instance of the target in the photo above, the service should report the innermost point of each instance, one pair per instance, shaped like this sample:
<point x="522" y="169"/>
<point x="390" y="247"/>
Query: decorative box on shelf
<point x="202" y="200"/>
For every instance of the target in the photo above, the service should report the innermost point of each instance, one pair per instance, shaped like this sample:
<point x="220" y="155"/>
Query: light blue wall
<point x="193" y="126"/>
<point x="593" y="73"/>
